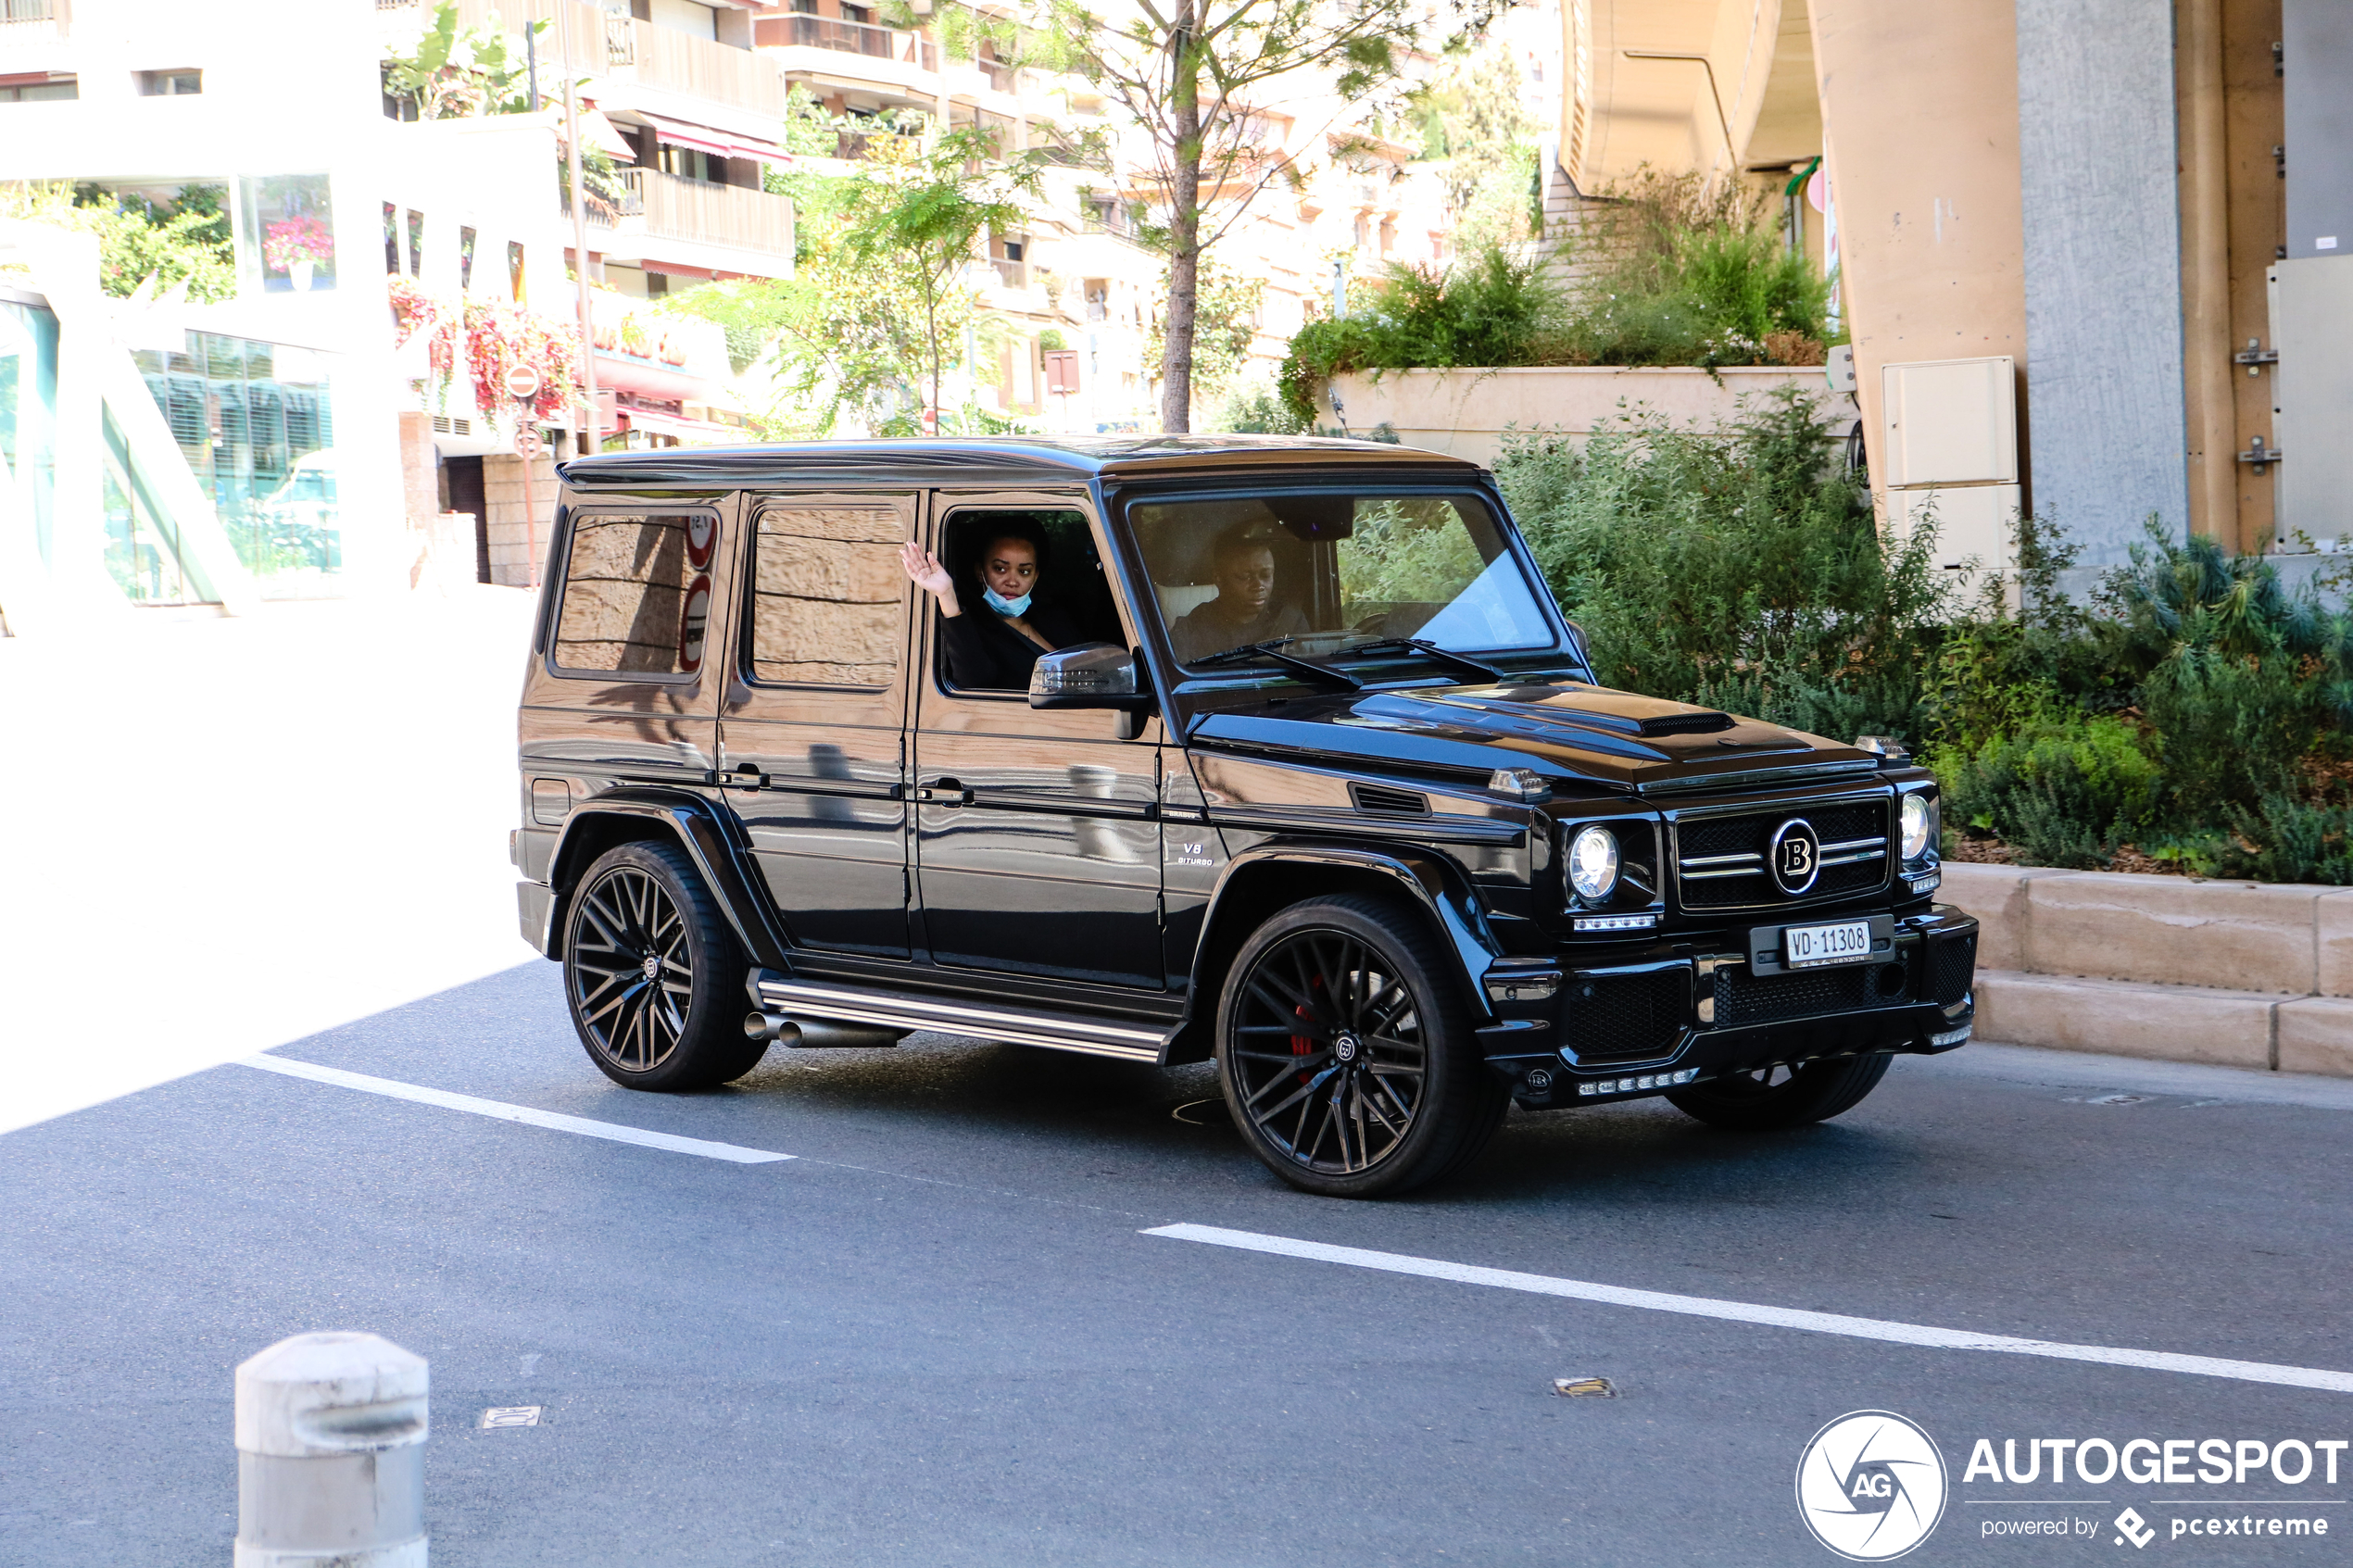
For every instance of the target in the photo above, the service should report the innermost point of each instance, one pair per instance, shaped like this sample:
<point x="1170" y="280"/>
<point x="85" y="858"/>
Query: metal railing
<point x="673" y="208"/>
<point x="1012" y="274"/>
<point x="34" y="22"/>
<point x="847" y="37"/>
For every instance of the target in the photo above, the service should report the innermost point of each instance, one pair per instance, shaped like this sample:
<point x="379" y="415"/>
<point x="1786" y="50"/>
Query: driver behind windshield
<point x="1245" y="609"/>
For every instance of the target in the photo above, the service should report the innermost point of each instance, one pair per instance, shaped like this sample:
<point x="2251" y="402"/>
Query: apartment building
<point x="1078" y="279"/>
<point x="289" y="448"/>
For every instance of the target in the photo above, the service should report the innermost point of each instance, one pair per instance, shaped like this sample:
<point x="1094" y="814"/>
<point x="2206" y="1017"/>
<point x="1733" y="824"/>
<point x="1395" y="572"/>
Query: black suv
<point x="1269" y="750"/>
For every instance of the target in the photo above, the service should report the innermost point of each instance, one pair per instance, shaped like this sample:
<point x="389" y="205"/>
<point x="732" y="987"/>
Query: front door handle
<point x="945" y="792"/>
<point x="743" y="775"/>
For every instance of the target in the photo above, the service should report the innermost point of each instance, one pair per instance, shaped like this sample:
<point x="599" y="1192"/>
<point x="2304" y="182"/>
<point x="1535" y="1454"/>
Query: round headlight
<point x="1920" y="825"/>
<point x="1592" y="863"/>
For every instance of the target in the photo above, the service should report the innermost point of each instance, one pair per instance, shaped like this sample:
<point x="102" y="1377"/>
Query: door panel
<point x="1037" y="843"/>
<point x="813" y="724"/>
<point x="620" y="690"/>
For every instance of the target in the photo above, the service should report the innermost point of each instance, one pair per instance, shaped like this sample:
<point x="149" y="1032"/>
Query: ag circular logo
<point x="1795" y="855"/>
<point x="1871" y="1486"/>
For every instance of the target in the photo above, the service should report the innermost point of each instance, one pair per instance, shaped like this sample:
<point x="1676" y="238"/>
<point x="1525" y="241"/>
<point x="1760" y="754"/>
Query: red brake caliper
<point x="1300" y="1043"/>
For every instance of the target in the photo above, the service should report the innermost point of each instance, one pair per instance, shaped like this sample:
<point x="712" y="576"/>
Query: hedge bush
<point x="2192" y="713"/>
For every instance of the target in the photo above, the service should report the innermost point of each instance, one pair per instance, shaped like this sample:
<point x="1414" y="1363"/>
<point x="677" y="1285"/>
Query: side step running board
<point x="852" y="1004"/>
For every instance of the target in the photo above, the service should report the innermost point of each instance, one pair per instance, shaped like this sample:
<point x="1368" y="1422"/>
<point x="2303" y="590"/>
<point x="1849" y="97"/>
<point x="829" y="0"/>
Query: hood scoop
<point x="1703" y="722"/>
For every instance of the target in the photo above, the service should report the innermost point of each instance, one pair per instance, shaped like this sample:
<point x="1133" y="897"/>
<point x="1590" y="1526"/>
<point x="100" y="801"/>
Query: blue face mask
<point x="1002" y="605"/>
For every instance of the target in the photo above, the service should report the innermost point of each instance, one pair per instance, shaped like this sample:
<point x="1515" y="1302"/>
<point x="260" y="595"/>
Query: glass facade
<point x="29" y="420"/>
<point x="255" y="423"/>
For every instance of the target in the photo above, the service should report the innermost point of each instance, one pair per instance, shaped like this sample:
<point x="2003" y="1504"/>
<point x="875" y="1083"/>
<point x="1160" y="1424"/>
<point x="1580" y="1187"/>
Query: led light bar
<point x="1925" y="883"/>
<point x="1951" y="1036"/>
<point x="1647" y="1081"/>
<point x="1616" y="923"/>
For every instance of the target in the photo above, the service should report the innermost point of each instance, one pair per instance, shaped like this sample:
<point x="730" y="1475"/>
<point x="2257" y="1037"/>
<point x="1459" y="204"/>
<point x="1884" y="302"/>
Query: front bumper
<point x="1573" y="1035"/>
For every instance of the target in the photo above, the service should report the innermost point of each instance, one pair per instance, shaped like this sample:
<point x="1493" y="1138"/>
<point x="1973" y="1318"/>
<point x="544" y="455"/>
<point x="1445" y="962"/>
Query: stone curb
<point x="2237" y="974"/>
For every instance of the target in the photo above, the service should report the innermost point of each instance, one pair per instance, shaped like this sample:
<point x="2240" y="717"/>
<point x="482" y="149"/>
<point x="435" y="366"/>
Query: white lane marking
<point x="1776" y="1317"/>
<point x="502" y="1110"/>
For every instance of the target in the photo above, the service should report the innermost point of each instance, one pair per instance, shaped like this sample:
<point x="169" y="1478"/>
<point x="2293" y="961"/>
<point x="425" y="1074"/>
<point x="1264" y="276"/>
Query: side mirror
<point x="1090" y="675"/>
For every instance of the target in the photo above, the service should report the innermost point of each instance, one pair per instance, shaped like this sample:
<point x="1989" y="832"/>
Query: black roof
<point x="996" y="459"/>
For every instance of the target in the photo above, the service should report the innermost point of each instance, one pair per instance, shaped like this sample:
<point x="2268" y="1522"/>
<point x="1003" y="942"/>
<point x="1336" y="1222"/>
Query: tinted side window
<point x="636" y="597"/>
<point x="827" y="595"/>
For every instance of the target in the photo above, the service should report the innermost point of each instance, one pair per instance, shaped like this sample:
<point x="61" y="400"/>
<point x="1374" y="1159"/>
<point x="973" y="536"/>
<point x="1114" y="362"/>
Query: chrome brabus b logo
<point x="1795" y="855"/>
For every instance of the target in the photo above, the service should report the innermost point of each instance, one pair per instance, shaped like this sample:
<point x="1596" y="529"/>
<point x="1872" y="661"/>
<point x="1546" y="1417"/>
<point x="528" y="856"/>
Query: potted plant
<point x="296" y="246"/>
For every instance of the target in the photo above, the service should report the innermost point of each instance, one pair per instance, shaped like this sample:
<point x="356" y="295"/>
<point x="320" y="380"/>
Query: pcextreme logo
<point x="1871" y="1486"/>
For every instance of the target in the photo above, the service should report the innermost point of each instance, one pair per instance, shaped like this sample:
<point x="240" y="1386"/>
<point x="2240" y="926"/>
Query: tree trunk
<point x="1184" y="232"/>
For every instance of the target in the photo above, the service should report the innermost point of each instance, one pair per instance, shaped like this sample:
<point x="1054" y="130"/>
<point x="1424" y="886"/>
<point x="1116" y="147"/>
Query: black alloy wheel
<point x="654" y="978"/>
<point x="1782" y="1096"/>
<point x="1346" y="1059"/>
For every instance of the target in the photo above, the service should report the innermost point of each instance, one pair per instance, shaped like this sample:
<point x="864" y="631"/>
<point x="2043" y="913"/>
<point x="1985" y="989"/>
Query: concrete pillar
<point x="331" y="1434"/>
<point x="510" y="561"/>
<point x="1920" y="135"/>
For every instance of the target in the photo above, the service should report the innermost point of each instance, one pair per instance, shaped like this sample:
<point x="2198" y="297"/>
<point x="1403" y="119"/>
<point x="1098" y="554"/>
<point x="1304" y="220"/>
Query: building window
<point x="41" y="89"/>
<point x="465" y="260"/>
<point x="170" y="83"/>
<point x="693" y="163"/>
<point x="287" y="238"/>
<point x="416" y="244"/>
<point x="256" y="424"/>
<point x="392" y="241"/>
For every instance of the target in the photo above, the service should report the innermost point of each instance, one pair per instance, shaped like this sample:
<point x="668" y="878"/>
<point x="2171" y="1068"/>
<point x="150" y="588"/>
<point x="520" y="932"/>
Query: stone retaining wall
<point x="2244" y="973"/>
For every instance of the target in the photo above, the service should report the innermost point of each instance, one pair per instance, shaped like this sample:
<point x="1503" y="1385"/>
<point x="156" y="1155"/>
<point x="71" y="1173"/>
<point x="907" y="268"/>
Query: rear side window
<point x="636" y="594"/>
<point x="827" y="595"/>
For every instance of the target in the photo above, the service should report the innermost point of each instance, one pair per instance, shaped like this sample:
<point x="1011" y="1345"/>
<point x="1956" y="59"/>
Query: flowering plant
<point x="296" y="239"/>
<point x="490" y="337"/>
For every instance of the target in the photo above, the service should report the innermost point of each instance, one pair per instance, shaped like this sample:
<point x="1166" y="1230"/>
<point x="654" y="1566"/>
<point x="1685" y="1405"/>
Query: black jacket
<point x="984" y="654"/>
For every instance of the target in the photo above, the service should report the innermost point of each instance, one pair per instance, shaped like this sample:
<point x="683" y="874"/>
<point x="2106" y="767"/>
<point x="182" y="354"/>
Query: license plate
<point x="1814" y="946"/>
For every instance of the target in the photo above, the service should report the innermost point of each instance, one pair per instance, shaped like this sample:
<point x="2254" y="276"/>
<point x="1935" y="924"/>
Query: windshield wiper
<point x="1421" y="645"/>
<point x="1273" y="648"/>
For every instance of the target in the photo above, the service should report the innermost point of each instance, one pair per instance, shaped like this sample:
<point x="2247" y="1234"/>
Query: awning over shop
<point x="704" y="138"/>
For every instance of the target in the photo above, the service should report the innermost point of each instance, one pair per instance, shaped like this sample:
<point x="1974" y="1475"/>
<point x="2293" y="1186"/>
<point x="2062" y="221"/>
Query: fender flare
<point x="709" y="840"/>
<point x="1436" y="884"/>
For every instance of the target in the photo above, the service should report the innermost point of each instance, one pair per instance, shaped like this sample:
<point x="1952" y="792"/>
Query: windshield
<point x="1330" y="571"/>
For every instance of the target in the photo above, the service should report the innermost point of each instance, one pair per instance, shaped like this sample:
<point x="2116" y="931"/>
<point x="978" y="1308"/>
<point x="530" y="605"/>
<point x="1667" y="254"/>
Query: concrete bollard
<point x="331" y="1455"/>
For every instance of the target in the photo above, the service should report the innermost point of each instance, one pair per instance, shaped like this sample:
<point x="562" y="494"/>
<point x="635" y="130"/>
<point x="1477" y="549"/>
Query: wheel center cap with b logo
<point x="1344" y="1047"/>
<point x="1794" y="856"/>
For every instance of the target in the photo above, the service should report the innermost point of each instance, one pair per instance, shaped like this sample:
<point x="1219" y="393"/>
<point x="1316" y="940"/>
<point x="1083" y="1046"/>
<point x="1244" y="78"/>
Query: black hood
<point x="1566" y="731"/>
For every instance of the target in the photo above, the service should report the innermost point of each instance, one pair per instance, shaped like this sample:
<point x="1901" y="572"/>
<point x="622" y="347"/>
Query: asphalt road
<point x="939" y="1334"/>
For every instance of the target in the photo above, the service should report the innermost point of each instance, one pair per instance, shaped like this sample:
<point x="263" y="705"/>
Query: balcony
<point x="847" y="38"/>
<point x="34" y="21"/>
<point x="1011" y="275"/>
<point x="666" y="206"/>
<point x="621" y="48"/>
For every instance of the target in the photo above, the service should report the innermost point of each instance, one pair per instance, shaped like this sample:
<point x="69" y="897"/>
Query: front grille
<point x="1624" y="1017"/>
<point x="1743" y="999"/>
<point x="1722" y="858"/>
<point x="1952" y="964"/>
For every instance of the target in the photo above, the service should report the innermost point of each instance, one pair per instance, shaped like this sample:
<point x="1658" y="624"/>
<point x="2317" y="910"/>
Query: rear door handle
<point x="743" y="775"/>
<point x="945" y="792"/>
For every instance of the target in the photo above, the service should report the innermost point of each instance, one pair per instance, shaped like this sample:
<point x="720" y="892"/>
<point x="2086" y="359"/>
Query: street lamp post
<point x="579" y="231"/>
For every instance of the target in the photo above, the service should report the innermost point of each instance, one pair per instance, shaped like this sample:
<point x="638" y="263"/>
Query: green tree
<point x="918" y="217"/>
<point x="1191" y="75"/>
<point x="456" y="72"/>
<point x="183" y="240"/>
<point x="1225" y="324"/>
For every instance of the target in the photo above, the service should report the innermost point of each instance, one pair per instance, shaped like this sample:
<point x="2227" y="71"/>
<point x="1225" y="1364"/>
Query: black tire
<point x="1770" y="1098"/>
<point x="679" y="1025"/>
<point x="1346" y="1054"/>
